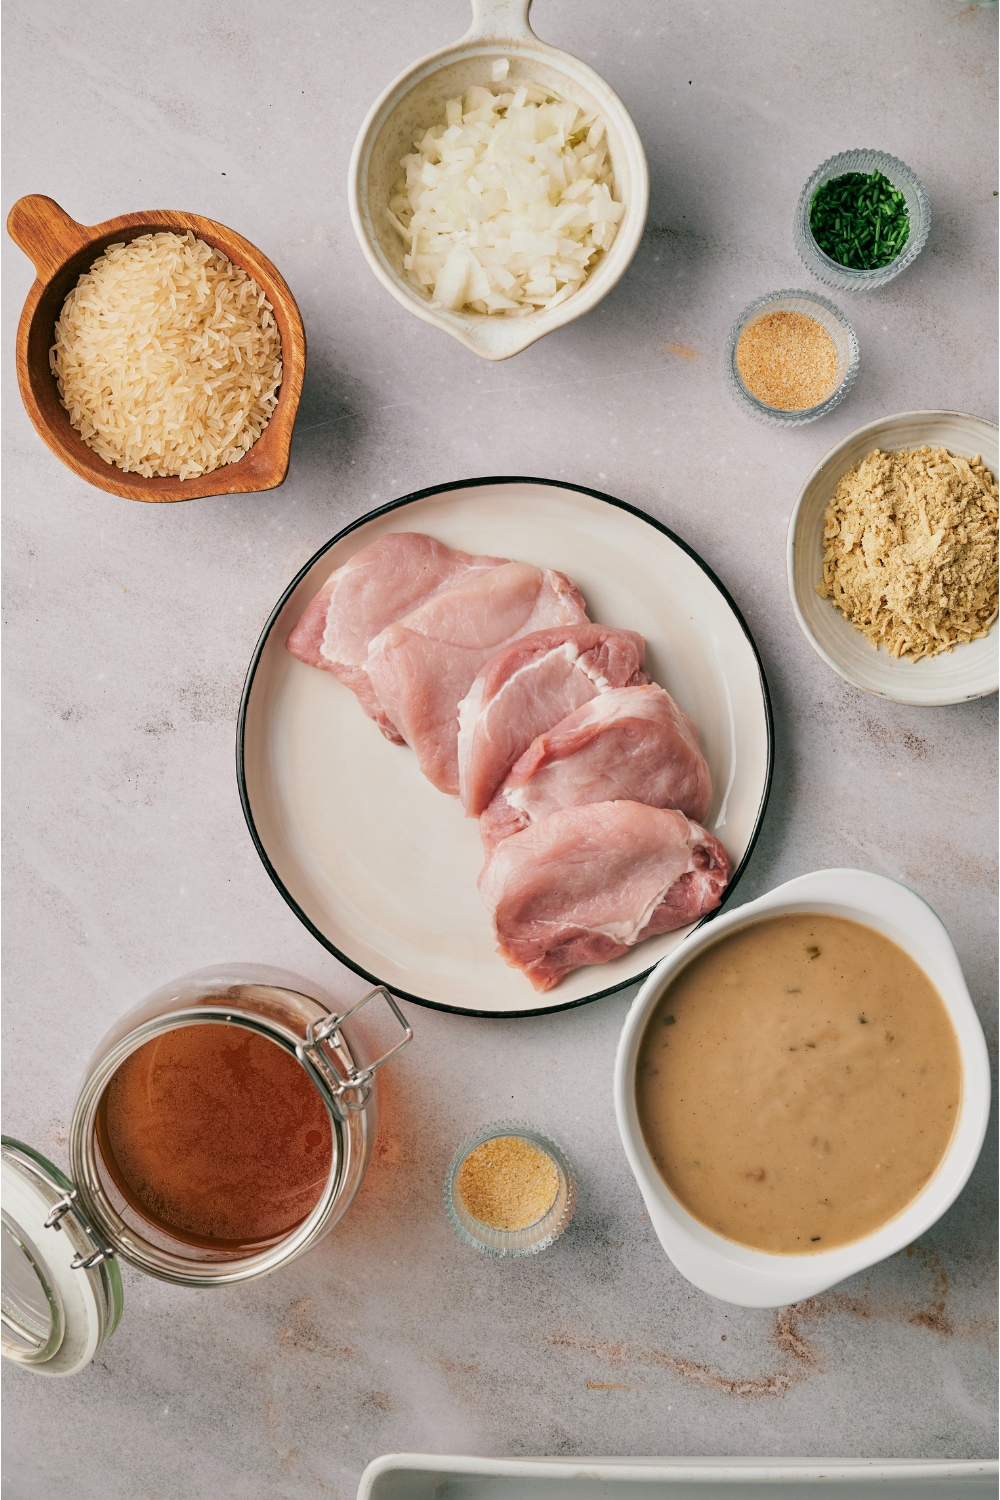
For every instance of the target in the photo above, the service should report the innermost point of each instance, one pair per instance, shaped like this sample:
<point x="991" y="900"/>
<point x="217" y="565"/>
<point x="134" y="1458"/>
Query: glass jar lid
<point x="61" y="1288"/>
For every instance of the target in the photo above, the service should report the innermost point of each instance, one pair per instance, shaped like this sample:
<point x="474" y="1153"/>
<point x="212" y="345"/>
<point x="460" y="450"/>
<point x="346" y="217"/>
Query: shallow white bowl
<point x="757" y="1278"/>
<point x="970" y="671"/>
<point x="416" y="99"/>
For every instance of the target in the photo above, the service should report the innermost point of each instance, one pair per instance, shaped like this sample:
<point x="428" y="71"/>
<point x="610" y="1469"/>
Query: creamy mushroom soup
<point x="798" y="1083"/>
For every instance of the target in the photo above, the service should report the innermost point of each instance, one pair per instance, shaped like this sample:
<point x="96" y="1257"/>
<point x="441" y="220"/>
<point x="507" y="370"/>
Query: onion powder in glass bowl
<point x="510" y="1190"/>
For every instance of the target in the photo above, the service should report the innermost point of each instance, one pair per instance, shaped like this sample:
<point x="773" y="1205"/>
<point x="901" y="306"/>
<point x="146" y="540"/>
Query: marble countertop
<point x="128" y="633"/>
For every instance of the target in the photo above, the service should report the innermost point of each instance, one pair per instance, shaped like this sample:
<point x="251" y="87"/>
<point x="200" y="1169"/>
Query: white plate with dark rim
<point x="971" y="670"/>
<point x="380" y="866"/>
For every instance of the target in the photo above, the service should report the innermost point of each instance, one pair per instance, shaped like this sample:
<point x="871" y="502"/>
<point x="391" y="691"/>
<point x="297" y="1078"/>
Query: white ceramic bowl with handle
<point x="757" y="1278"/>
<point x="969" y="671"/>
<point x="416" y="100"/>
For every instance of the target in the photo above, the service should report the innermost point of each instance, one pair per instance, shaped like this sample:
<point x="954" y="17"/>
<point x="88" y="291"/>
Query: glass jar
<point x="62" y="1236"/>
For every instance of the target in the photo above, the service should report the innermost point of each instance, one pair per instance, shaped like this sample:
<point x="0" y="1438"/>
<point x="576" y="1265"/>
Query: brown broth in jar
<point x="798" y="1083"/>
<point x="216" y="1135"/>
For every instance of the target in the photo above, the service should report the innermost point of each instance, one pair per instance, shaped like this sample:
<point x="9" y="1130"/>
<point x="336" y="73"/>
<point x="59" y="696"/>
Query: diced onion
<point x="506" y="204"/>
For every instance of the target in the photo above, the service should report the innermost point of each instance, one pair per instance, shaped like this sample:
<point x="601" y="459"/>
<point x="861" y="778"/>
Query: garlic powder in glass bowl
<point x="521" y="1184"/>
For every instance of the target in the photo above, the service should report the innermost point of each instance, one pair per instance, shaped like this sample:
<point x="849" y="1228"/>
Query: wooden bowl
<point x="61" y="250"/>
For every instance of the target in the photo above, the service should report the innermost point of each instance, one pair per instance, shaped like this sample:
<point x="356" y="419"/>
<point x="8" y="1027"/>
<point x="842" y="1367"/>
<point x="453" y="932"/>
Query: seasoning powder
<point x="787" y="360"/>
<point x="910" y="550"/>
<point x="507" y="1183"/>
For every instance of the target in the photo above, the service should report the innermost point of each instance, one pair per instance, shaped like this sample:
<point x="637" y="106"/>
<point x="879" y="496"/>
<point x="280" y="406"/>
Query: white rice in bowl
<point x="167" y="357"/>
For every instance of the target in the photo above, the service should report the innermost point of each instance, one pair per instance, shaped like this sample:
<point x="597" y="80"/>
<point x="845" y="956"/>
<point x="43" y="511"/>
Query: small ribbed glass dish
<point x="844" y="278"/>
<point x="844" y="342"/>
<point x="505" y="1243"/>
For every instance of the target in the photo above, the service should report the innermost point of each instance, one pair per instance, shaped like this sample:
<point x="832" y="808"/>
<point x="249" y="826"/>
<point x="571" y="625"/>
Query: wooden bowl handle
<point x="46" y="233"/>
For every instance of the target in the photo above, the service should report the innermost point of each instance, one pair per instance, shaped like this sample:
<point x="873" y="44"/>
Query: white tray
<point x="432" y="1476"/>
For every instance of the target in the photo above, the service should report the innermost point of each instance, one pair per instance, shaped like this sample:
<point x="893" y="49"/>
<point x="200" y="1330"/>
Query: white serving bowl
<point x="756" y="1278"/>
<point x="416" y="100"/>
<point x="971" y="670"/>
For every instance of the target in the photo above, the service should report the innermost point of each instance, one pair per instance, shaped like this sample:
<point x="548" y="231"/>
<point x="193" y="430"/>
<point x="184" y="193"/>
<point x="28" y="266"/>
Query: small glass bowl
<point x="917" y="206"/>
<point x="504" y="1243"/>
<point x="844" y="341"/>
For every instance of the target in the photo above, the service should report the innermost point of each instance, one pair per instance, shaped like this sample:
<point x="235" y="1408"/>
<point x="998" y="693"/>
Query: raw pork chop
<point x="422" y="667"/>
<point x="531" y="685"/>
<point x="632" y="744"/>
<point x="587" y="883"/>
<point x="381" y="583"/>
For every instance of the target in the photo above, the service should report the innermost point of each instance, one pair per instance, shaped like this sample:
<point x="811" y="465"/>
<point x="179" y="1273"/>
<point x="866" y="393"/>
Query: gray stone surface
<point x="129" y="629"/>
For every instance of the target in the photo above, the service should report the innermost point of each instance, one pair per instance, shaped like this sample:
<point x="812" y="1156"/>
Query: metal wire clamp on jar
<point x="103" y="1226"/>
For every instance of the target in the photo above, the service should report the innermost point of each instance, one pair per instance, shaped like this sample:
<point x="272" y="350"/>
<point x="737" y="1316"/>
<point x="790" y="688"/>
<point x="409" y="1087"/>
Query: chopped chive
<point x="859" y="220"/>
